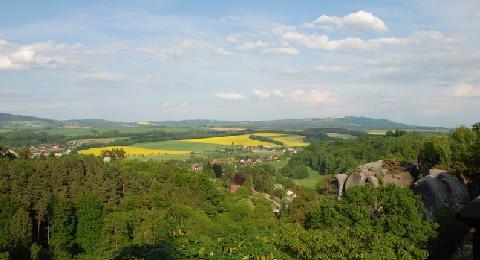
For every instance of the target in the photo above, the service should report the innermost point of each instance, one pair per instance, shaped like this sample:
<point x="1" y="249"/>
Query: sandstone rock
<point x="440" y="188"/>
<point x="340" y="181"/>
<point x="377" y="174"/>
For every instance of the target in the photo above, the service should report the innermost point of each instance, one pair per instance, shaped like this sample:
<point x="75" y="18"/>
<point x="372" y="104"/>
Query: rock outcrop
<point x="440" y="188"/>
<point x="375" y="173"/>
<point x="340" y="181"/>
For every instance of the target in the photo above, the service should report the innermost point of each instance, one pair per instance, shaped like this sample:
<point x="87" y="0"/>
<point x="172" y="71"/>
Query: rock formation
<point x="340" y="181"/>
<point x="440" y="188"/>
<point x="377" y="173"/>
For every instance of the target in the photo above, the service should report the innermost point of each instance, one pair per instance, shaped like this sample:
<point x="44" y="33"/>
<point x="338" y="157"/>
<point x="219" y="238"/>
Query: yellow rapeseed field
<point x="132" y="151"/>
<point x="286" y="139"/>
<point x="243" y="140"/>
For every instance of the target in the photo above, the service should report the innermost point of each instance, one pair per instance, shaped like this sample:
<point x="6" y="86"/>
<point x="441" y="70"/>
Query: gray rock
<point x="440" y="188"/>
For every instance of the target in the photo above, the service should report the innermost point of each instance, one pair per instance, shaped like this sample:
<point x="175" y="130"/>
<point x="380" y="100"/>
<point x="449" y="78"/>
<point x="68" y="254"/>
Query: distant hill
<point x="94" y="123"/>
<point x="16" y="121"/>
<point x="349" y="122"/>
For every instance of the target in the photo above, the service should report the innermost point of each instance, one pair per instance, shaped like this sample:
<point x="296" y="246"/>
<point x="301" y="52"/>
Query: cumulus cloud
<point x="282" y="51"/>
<point x="230" y="96"/>
<point x="41" y="54"/>
<point x="254" y="45"/>
<point x="265" y="94"/>
<point x="360" y="21"/>
<point x="315" y="96"/>
<point x="465" y="90"/>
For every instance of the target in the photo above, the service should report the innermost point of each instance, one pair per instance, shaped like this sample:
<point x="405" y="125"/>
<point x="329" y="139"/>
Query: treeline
<point x="265" y="139"/>
<point x="79" y="207"/>
<point x="457" y="151"/>
<point x="22" y="138"/>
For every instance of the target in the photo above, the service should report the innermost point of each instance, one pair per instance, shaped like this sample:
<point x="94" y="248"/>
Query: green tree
<point x="63" y="227"/>
<point x="89" y="222"/>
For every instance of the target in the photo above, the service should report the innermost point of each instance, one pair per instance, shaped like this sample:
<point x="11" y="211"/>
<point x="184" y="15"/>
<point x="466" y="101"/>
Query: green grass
<point x="310" y="181"/>
<point x="340" y="135"/>
<point x="163" y="157"/>
<point x="377" y="132"/>
<point x="176" y="145"/>
<point x="100" y="140"/>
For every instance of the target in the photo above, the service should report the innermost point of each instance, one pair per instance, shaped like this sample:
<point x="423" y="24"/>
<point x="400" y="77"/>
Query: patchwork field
<point x="180" y="145"/>
<point x="288" y="140"/>
<point x="133" y="151"/>
<point x="243" y="140"/>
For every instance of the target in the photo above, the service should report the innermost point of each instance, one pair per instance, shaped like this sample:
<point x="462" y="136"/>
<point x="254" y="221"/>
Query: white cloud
<point x="323" y="42"/>
<point x="253" y="45"/>
<point x="222" y="52"/>
<point x="282" y="50"/>
<point x="262" y="94"/>
<point x="40" y="54"/>
<point x="315" y="96"/>
<point x="230" y="96"/>
<point x="360" y="21"/>
<point x="465" y="90"/>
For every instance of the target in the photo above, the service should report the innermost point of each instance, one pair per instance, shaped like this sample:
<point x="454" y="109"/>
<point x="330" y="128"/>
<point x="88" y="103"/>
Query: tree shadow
<point x="161" y="250"/>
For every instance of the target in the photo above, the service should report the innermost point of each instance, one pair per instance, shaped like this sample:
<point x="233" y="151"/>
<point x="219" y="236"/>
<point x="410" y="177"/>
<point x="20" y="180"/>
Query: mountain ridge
<point x="8" y="120"/>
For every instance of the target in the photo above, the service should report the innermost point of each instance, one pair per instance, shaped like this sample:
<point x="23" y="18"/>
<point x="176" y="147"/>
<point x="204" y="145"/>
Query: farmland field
<point x="99" y="140"/>
<point x="243" y="140"/>
<point x="179" y="145"/>
<point x="377" y="132"/>
<point x="288" y="140"/>
<point x="133" y="151"/>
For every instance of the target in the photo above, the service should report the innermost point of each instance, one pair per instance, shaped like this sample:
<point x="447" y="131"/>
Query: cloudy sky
<point x="416" y="61"/>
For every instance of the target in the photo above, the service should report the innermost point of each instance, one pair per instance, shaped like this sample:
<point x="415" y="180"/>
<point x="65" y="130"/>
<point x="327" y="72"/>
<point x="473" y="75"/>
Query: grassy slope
<point x="310" y="181"/>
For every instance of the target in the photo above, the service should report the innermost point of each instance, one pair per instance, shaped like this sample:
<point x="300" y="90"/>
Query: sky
<point x="415" y="62"/>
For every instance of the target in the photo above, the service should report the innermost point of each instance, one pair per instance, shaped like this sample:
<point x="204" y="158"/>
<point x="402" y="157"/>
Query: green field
<point x="176" y="145"/>
<point x="99" y="140"/>
<point x="309" y="183"/>
<point x="377" y="132"/>
<point x="163" y="157"/>
<point x="126" y="130"/>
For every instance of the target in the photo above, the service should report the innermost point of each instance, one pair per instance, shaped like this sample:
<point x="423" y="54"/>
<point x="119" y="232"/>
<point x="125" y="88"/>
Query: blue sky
<point x="411" y="61"/>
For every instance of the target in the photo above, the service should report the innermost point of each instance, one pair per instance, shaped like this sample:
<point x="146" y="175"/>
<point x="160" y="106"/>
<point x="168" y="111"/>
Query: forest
<point x="81" y="207"/>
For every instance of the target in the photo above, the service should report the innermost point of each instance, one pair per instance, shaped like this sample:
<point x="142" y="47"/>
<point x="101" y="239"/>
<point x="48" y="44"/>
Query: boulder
<point x="440" y="188"/>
